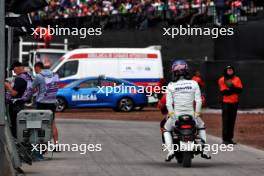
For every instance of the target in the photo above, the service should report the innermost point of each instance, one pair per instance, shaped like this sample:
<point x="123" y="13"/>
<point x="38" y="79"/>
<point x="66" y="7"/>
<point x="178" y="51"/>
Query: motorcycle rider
<point x="181" y="94"/>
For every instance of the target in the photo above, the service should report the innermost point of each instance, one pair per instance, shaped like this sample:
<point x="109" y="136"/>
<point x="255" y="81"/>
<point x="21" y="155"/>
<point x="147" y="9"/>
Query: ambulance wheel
<point x="60" y="104"/>
<point x="125" y="104"/>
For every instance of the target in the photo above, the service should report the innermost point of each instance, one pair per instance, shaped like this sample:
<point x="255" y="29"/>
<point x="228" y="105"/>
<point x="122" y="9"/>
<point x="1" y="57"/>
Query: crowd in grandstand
<point x="175" y="11"/>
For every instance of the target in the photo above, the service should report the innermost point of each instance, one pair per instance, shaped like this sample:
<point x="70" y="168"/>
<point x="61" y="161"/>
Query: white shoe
<point x="218" y="24"/>
<point x="205" y="155"/>
<point x="169" y="157"/>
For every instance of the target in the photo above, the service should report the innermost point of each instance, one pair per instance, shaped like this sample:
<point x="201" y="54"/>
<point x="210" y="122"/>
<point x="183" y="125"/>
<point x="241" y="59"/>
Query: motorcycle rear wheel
<point x="187" y="159"/>
<point x="178" y="157"/>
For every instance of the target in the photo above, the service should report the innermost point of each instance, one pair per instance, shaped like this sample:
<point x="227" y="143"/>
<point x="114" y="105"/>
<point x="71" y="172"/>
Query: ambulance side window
<point x="68" y="69"/>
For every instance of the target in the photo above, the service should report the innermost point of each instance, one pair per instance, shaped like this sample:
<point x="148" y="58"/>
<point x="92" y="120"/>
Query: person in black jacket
<point x="220" y="6"/>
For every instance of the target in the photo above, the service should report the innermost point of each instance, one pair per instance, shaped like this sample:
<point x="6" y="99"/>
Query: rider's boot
<point x="204" y="153"/>
<point x="169" y="146"/>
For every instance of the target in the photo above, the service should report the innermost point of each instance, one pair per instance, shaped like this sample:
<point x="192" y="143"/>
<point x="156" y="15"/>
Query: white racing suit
<point x="180" y="99"/>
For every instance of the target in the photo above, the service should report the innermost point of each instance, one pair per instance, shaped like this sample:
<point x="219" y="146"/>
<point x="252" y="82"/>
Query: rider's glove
<point x="171" y="114"/>
<point x="197" y="114"/>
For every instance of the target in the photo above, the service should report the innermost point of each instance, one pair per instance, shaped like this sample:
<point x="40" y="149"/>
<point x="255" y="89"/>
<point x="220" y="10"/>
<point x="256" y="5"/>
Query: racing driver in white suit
<point x="180" y="98"/>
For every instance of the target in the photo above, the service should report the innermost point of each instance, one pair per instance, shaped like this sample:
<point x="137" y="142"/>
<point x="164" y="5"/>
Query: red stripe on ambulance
<point x="78" y="56"/>
<point x="113" y="55"/>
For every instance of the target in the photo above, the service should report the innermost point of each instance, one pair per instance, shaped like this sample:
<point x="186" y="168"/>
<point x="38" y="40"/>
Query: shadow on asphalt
<point x="173" y="164"/>
<point x="100" y="110"/>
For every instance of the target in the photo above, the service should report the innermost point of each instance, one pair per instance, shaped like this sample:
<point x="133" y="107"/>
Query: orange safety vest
<point x="199" y="80"/>
<point x="233" y="98"/>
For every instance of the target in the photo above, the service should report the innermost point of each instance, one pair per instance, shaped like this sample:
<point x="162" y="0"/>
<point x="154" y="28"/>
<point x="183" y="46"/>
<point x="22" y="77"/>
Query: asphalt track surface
<point x="133" y="148"/>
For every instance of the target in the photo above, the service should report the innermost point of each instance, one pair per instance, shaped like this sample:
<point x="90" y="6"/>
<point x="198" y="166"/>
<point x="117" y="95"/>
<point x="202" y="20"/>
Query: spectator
<point x="220" y="6"/>
<point x="201" y="9"/>
<point x="183" y="13"/>
<point x="236" y="6"/>
<point x="230" y="87"/>
<point x="145" y="12"/>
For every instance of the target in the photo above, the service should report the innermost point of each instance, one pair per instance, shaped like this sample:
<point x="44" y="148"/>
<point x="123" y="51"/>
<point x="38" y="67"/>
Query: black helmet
<point x="180" y="67"/>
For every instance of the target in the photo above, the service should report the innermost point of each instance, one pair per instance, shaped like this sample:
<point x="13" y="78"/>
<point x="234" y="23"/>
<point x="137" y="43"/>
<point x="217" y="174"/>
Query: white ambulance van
<point x="141" y="66"/>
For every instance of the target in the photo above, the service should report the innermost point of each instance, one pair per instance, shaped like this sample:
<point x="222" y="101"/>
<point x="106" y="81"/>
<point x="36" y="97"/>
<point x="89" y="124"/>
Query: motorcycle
<point x="185" y="136"/>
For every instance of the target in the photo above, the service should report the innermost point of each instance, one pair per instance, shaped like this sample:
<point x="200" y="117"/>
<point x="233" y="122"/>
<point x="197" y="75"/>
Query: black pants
<point x="228" y="120"/>
<point x="47" y="106"/>
<point x="13" y="110"/>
